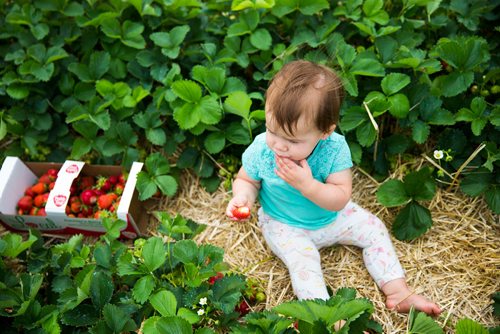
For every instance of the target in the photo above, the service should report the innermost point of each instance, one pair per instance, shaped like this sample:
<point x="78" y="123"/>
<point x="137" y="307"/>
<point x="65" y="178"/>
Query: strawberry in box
<point x="36" y="196"/>
<point x="26" y="187"/>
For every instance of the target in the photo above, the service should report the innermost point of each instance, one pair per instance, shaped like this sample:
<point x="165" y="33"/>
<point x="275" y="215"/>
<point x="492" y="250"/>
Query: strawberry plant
<point x="413" y="219"/>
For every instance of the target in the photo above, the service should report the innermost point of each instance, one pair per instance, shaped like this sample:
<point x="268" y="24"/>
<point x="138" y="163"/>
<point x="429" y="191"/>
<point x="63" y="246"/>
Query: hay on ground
<point x="456" y="263"/>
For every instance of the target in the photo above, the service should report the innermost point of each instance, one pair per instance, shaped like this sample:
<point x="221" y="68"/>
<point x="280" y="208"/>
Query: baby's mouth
<point x="283" y="157"/>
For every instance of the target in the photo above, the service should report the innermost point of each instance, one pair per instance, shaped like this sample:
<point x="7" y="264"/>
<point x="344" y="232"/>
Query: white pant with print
<point x="299" y="248"/>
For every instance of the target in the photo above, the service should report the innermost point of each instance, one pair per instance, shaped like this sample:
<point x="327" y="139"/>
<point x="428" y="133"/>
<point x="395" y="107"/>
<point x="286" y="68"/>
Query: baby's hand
<point x="296" y="175"/>
<point x="238" y="208"/>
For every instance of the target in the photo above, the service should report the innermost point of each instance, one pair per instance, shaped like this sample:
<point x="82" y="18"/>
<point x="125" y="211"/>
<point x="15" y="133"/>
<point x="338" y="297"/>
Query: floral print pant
<point x="299" y="248"/>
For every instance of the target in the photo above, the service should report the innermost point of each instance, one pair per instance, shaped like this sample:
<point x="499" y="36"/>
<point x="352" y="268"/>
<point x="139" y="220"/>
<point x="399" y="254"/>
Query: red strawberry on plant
<point x="215" y="278"/>
<point x="25" y="203"/>
<point x="243" y="308"/>
<point x="242" y="212"/>
<point x="88" y="197"/>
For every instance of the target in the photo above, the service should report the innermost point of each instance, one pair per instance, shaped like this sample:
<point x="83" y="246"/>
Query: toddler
<point x="300" y="170"/>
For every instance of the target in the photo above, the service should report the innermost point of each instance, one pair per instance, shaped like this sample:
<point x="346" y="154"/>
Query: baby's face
<point x="297" y="146"/>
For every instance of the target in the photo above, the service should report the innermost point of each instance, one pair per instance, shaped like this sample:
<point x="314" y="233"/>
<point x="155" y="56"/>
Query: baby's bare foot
<point x="402" y="304"/>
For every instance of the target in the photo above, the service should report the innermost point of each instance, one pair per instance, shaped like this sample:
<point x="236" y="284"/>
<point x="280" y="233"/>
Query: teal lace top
<point x="283" y="202"/>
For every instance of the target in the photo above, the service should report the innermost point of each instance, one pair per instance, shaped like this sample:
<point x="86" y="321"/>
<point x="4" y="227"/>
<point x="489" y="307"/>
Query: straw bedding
<point x="456" y="263"/>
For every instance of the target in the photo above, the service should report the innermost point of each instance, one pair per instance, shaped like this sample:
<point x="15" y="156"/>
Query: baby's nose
<point x="280" y="147"/>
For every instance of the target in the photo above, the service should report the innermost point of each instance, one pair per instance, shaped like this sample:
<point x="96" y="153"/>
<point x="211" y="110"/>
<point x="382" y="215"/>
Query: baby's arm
<point x="245" y="191"/>
<point x="332" y="195"/>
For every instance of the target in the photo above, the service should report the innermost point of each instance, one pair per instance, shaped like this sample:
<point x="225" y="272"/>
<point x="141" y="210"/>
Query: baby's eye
<point x="293" y="141"/>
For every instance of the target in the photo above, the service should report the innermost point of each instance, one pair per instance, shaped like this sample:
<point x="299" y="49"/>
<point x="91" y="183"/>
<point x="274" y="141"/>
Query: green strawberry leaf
<point x="167" y="184"/>
<point x="82" y="315"/>
<point x="399" y="105"/>
<point x="238" y="103"/>
<point x="392" y="193"/>
<point x="261" y="39"/>
<point x="132" y="35"/>
<point x="14" y="244"/>
<point x="164" y="302"/>
<point x="227" y="293"/>
<point x="101" y="289"/>
<point x="186" y="251"/>
<point x="154" y="253"/>
<point x="476" y="183"/>
<point x="420" y="131"/>
<point x="215" y="142"/>
<point x="492" y="197"/>
<point x="420" y="185"/>
<point x="411" y="222"/>
<point x="143" y="288"/>
<point x="468" y="326"/>
<point x="115" y="317"/>
<point x="187" y="90"/>
<point x="420" y="323"/>
<point x="166" y="325"/>
<point x="394" y="82"/>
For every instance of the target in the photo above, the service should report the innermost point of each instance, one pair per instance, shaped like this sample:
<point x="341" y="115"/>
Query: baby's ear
<point x="329" y="132"/>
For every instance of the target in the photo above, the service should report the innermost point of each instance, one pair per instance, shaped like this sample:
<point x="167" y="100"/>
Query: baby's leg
<point x="356" y="226"/>
<point x="300" y="256"/>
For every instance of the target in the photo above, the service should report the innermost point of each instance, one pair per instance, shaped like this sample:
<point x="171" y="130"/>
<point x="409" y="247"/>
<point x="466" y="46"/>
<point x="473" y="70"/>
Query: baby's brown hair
<point x="305" y="88"/>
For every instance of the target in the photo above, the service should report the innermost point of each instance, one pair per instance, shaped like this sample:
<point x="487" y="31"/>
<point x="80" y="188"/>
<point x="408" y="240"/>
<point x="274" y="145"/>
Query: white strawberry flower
<point x="201" y="311"/>
<point x="203" y="301"/>
<point x="438" y="154"/>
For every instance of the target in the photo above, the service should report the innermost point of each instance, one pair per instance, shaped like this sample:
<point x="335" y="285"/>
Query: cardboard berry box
<point x="16" y="176"/>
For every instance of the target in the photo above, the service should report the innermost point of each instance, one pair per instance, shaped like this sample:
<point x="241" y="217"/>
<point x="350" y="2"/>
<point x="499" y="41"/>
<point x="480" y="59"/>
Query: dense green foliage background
<point x="180" y="84"/>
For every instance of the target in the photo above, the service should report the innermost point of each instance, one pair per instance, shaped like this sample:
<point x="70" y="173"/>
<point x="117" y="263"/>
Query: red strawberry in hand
<point x="243" y="212"/>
